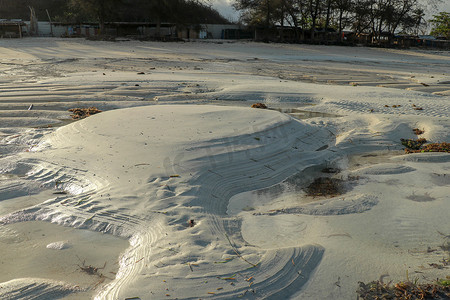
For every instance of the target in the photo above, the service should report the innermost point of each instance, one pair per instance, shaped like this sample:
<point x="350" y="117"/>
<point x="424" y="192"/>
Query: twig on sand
<point x="190" y="266"/>
<point x="232" y="277"/>
<point x="447" y="236"/>
<point x="237" y="252"/>
<point x="91" y="270"/>
<point x="215" y="173"/>
<point x="269" y="167"/>
<point x="225" y="261"/>
<point x="138" y="260"/>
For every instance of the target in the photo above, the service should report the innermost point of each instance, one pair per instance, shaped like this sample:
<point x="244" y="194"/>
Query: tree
<point x="382" y="18"/>
<point x="441" y="25"/>
<point x="102" y="10"/>
<point x="314" y="10"/>
<point x="343" y="8"/>
<point x="296" y="16"/>
<point x="362" y="19"/>
<point x="260" y="12"/>
<point x="414" y="22"/>
<point x="18" y="9"/>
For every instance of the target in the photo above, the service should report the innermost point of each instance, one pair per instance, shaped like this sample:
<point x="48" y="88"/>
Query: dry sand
<point x="178" y="142"/>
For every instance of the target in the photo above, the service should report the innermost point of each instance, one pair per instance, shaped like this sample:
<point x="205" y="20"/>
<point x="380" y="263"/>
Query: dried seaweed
<point x="259" y="105"/>
<point x="418" y="146"/>
<point x="81" y="113"/>
<point x="404" y="290"/>
<point x="413" y="144"/>
<point x="418" y="131"/>
<point x="434" y="147"/>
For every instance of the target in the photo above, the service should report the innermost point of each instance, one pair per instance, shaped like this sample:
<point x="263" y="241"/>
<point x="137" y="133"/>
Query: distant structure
<point x="12" y="28"/>
<point x="17" y="28"/>
<point x="140" y="30"/>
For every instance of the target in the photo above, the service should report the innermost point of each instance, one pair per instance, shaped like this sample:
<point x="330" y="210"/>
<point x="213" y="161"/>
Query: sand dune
<point x="180" y="143"/>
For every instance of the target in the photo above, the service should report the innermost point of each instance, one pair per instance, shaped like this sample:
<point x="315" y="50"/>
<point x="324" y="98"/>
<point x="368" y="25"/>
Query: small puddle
<point x="304" y="114"/>
<point x="420" y="198"/>
<point x="44" y="250"/>
<point x="372" y="158"/>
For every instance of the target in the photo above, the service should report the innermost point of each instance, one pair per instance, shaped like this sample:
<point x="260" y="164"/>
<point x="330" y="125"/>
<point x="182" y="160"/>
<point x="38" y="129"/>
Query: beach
<point x="179" y="189"/>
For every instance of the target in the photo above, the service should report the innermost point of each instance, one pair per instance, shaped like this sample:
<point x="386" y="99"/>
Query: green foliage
<point x="260" y="12"/>
<point x="101" y="10"/>
<point x="76" y="11"/>
<point x="444" y="282"/>
<point x="18" y="9"/>
<point x="441" y="25"/>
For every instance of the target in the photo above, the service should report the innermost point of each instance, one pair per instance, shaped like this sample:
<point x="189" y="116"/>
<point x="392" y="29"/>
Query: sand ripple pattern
<point x="209" y="173"/>
<point x="39" y="289"/>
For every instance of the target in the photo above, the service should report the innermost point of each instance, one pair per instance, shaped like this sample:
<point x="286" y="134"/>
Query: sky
<point x="225" y="9"/>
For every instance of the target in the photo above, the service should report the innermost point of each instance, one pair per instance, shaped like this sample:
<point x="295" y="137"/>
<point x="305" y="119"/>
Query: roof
<point x="11" y="23"/>
<point x="427" y="37"/>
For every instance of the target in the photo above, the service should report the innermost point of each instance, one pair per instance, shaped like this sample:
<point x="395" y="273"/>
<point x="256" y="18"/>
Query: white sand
<point x="142" y="173"/>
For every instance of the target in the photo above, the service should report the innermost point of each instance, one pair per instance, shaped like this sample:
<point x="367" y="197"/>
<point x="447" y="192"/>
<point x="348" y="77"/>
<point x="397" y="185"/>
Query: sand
<point x="101" y="207"/>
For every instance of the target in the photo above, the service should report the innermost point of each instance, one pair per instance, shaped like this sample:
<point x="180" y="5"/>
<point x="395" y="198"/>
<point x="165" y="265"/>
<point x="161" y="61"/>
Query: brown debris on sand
<point x="434" y="147"/>
<point x="259" y="105"/>
<point x="90" y="270"/>
<point x="418" y="131"/>
<point x="411" y="144"/>
<point x="325" y="186"/>
<point x="81" y="113"/>
<point x="418" y="146"/>
<point x="403" y="290"/>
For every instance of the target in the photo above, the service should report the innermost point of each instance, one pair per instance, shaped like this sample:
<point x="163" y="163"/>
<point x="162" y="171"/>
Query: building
<point x="12" y="28"/>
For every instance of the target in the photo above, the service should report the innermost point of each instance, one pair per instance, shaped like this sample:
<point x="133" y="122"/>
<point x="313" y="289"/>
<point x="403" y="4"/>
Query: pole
<point x="50" y="21"/>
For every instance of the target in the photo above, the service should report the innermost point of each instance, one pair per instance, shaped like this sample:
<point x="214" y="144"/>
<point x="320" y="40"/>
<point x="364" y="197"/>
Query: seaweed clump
<point x="413" y="144"/>
<point x="435" y="147"/>
<point x="404" y="290"/>
<point x="418" y="131"/>
<point x="259" y="105"/>
<point x="81" y="113"/>
<point x="417" y="146"/>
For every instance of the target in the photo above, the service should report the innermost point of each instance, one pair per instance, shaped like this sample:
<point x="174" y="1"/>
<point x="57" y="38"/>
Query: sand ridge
<point x="239" y="146"/>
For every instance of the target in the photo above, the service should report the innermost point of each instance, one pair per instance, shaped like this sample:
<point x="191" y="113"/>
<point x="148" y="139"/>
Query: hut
<point x="11" y="28"/>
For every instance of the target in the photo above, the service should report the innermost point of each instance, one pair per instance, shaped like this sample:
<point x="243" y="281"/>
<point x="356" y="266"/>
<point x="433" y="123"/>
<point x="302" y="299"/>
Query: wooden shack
<point x="11" y="29"/>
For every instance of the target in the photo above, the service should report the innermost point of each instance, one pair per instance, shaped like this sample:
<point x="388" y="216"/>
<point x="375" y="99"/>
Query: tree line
<point x="102" y="11"/>
<point x="378" y="18"/>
